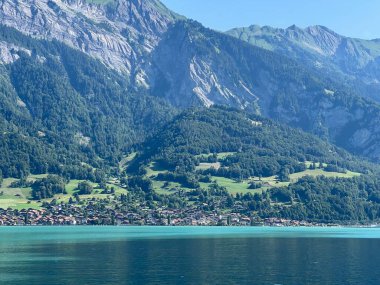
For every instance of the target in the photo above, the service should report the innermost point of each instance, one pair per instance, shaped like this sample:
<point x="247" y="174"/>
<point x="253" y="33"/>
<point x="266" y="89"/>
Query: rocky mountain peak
<point x="318" y="30"/>
<point x="318" y="38"/>
<point x="294" y="28"/>
<point x="117" y="32"/>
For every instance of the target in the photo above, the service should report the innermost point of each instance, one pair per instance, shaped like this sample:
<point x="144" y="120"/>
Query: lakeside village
<point x="95" y="213"/>
<point x="57" y="216"/>
<point x="111" y="205"/>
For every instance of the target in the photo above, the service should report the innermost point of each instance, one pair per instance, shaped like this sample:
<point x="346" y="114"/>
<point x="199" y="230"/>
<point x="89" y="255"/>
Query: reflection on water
<point x="66" y="256"/>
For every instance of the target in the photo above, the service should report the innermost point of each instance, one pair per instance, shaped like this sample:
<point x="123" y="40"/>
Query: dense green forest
<point x="61" y="109"/>
<point x="325" y="199"/>
<point x="259" y="147"/>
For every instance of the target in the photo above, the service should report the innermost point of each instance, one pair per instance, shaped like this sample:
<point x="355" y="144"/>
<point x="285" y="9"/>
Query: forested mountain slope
<point x="61" y="108"/>
<point x="258" y="146"/>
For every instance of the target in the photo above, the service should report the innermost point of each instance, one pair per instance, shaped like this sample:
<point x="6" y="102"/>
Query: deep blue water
<point x="189" y="255"/>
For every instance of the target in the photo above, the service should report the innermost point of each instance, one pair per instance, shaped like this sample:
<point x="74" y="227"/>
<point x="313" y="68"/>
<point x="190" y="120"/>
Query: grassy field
<point x="270" y="182"/>
<point x="118" y="189"/>
<point x="320" y="172"/>
<point x="161" y="188"/>
<point x="16" y="198"/>
<point x="233" y="186"/>
<point x="154" y="169"/>
<point x="73" y="184"/>
<point x="19" y="198"/>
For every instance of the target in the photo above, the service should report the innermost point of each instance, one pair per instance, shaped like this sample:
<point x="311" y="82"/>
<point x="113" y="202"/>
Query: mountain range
<point x="280" y="74"/>
<point x="84" y="83"/>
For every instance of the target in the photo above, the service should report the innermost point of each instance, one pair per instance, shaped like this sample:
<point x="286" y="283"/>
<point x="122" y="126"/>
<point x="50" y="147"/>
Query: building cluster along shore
<point x="60" y="215"/>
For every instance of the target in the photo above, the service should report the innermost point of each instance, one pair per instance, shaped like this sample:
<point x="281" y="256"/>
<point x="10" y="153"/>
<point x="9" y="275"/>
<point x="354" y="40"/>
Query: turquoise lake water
<point x="189" y="255"/>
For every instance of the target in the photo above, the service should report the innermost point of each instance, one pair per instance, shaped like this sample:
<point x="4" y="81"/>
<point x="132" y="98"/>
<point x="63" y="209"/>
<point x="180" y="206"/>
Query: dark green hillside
<point x="328" y="199"/>
<point x="69" y="108"/>
<point x="258" y="146"/>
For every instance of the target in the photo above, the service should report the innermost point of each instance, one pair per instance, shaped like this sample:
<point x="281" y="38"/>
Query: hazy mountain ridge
<point x="321" y="48"/>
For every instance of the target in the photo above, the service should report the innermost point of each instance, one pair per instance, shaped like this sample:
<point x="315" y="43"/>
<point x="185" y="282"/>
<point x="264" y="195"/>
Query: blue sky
<point x="354" y="18"/>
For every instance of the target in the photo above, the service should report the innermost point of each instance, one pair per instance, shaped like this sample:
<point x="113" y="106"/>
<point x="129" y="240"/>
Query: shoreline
<point x="331" y="226"/>
<point x="62" y="215"/>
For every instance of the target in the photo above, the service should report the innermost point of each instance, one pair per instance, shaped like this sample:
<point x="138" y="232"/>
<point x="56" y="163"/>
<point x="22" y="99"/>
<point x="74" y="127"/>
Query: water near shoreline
<point x="189" y="255"/>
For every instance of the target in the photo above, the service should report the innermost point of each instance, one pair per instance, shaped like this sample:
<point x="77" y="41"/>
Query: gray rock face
<point x="187" y="76"/>
<point x="9" y="52"/>
<point x="119" y="34"/>
<point x="317" y="40"/>
<point x="125" y="35"/>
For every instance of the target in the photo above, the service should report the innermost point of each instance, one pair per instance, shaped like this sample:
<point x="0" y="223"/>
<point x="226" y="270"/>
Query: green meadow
<point x="20" y="198"/>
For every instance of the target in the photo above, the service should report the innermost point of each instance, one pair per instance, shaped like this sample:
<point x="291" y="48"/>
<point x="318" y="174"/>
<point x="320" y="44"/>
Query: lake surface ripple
<point x="189" y="255"/>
